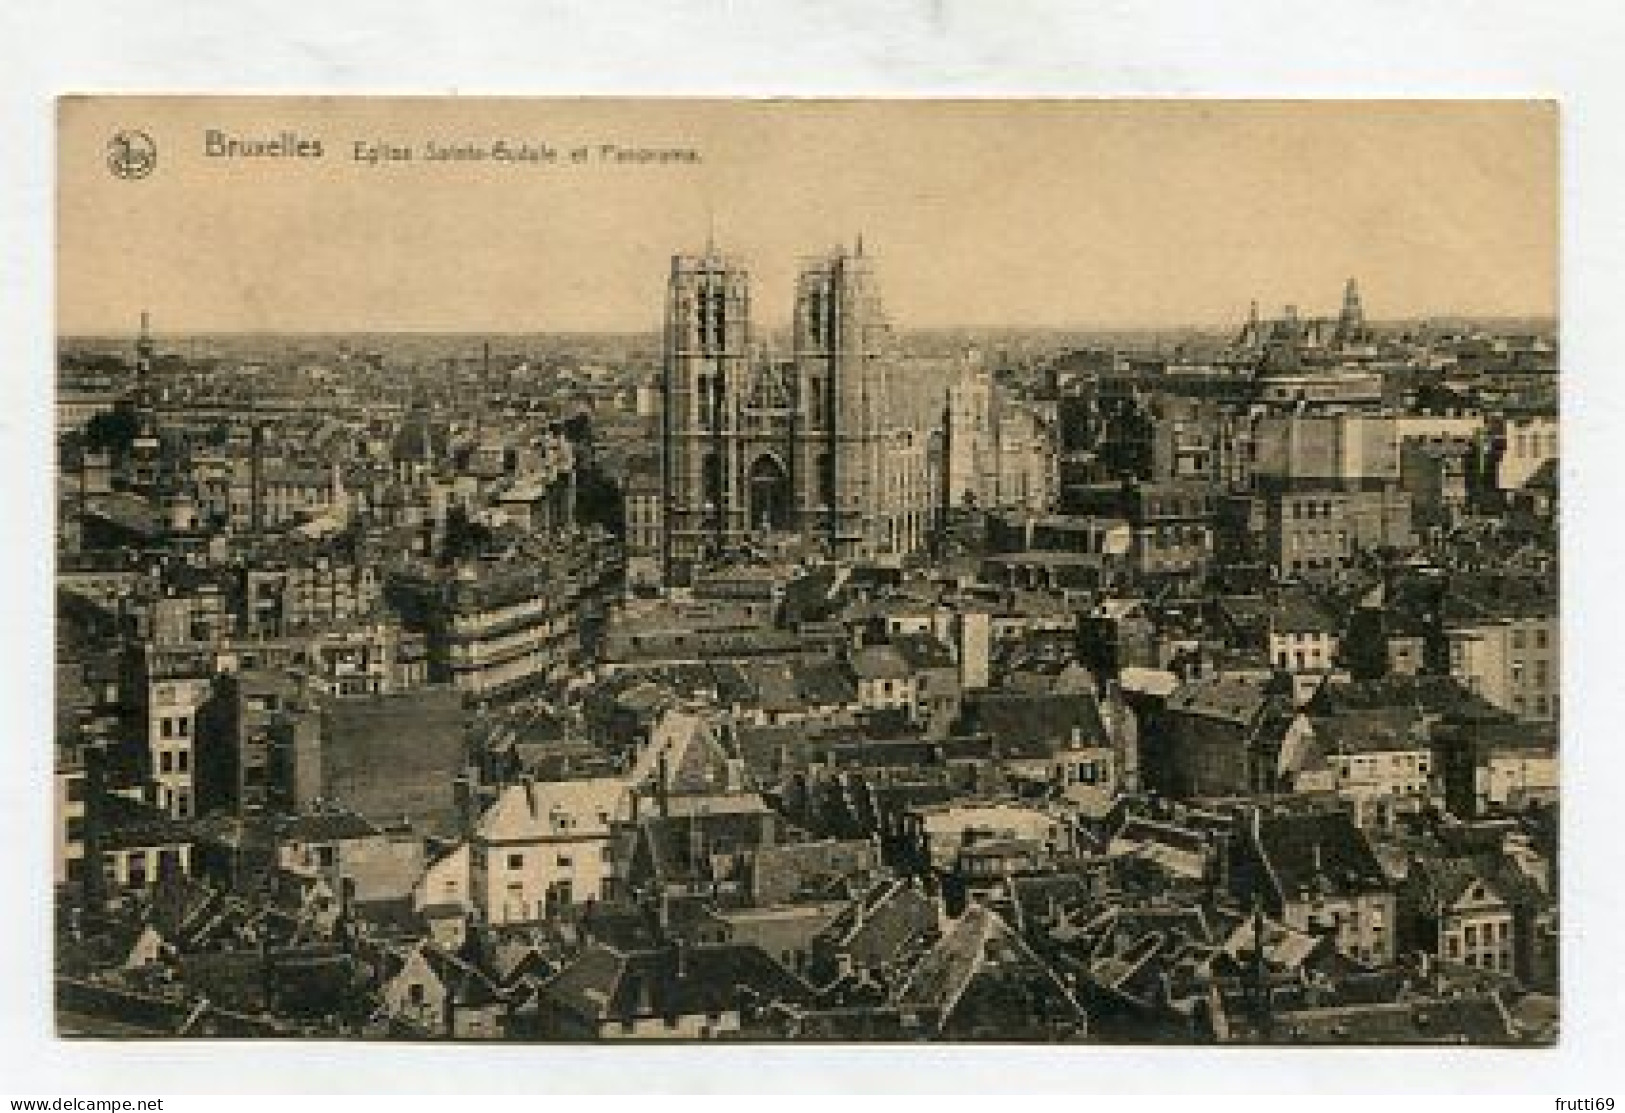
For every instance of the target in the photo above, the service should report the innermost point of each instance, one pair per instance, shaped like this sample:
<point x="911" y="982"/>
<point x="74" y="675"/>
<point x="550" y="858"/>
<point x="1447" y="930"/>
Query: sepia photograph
<point x="832" y="571"/>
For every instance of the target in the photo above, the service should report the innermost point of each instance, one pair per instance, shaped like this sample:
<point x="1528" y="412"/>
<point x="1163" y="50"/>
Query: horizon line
<point x="1546" y="316"/>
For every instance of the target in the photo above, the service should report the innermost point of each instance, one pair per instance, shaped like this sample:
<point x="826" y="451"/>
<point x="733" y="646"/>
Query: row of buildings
<point x="854" y="693"/>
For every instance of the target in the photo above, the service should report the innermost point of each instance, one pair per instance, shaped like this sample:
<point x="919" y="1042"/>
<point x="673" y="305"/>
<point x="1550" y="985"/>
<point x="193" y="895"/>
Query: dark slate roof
<point x="1296" y="611"/>
<point x="1379" y="730"/>
<point x="1472" y="599"/>
<point x="326" y="826"/>
<point x="810" y="597"/>
<point x="885" y="922"/>
<point x="1041" y="722"/>
<point x="1480" y="1019"/>
<point x="825" y="682"/>
<point x="1319" y="853"/>
<point x="606" y="984"/>
<point x="1433" y="695"/>
<point x="979" y="944"/>
<point x="1440" y="882"/>
<point x="1543" y="478"/>
<point x="130" y="823"/>
<point x="924" y="651"/>
<point x="393" y="918"/>
<point x="793" y="870"/>
<point x="1230" y="698"/>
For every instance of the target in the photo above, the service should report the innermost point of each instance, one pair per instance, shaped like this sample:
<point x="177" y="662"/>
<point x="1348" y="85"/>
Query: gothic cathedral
<point x="755" y="444"/>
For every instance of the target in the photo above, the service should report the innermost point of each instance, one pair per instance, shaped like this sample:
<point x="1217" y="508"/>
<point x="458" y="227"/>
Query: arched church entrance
<point x="770" y="495"/>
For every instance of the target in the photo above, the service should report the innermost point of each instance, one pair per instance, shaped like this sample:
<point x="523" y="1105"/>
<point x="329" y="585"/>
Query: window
<point x="565" y="862"/>
<point x="166" y="727"/>
<point x="516" y="861"/>
<point x="166" y="760"/>
<point x="1472" y="935"/>
<point x="182" y="760"/>
<point x="183" y="726"/>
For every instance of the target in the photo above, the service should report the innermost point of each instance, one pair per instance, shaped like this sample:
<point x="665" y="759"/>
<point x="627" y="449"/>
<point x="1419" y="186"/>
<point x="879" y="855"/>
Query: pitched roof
<point x="1468" y="1019"/>
<point x="884" y="922"/>
<point x="606" y="984"/>
<point x="1378" y="730"/>
<point x="542" y="809"/>
<point x="1318" y="853"/>
<point x="1043" y="722"/>
<point x="326" y="826"/>
<point x="689" y="746"/>
<point x="978" y="943"/>
<point x="1296" y="612"/>
<point x="1233" y="699"/>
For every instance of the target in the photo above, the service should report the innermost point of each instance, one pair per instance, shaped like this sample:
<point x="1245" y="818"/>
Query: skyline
<point x="1066" y="215"/>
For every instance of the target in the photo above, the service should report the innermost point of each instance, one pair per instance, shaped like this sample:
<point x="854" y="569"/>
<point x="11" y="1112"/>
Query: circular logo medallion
<point x="131" y="154"/>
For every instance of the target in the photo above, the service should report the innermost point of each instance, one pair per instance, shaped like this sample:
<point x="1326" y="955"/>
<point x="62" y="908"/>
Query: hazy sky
<point x="1063" y="213"/>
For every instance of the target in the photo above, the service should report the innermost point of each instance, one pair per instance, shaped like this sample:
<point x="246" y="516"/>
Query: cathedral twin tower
<point x="754" y="444"/>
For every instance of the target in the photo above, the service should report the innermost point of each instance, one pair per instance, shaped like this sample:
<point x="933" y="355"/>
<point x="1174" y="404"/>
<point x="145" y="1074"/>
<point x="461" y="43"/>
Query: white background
<point x="1387" y="48"/>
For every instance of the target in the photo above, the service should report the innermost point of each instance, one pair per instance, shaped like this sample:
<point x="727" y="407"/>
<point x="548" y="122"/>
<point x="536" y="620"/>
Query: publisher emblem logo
<point x="131" y="154"/>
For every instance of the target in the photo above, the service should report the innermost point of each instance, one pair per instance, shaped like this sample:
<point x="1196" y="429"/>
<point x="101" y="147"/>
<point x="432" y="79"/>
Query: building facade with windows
<point x="754" y="444"/>
<point x="546" y="846"/>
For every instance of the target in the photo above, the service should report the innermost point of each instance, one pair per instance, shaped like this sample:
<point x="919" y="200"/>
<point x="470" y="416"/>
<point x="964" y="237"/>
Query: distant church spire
<point x="1351" y="322"/>
<point x="144" y="353"/>
<point x="143" y="342"/>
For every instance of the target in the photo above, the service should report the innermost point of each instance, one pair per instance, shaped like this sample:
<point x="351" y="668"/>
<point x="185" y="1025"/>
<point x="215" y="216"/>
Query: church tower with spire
<point x="145" y="449"/>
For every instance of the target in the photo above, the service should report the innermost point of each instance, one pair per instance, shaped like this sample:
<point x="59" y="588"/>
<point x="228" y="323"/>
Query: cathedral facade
<point x="755" y="443"/>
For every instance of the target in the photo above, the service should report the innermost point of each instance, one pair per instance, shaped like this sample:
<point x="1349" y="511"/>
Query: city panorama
<point x="787" y="670"/>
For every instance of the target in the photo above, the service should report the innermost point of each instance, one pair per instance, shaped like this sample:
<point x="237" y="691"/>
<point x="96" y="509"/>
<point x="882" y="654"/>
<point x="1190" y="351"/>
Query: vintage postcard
<point x="1029" y="571"/>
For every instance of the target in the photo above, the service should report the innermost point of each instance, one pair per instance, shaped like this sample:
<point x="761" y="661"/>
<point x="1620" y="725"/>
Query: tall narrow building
<point x="1351" y="320"/>
<point x="842" y="339"/>
<point x="707" y="356"/>
<point x="146" y="448"/>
